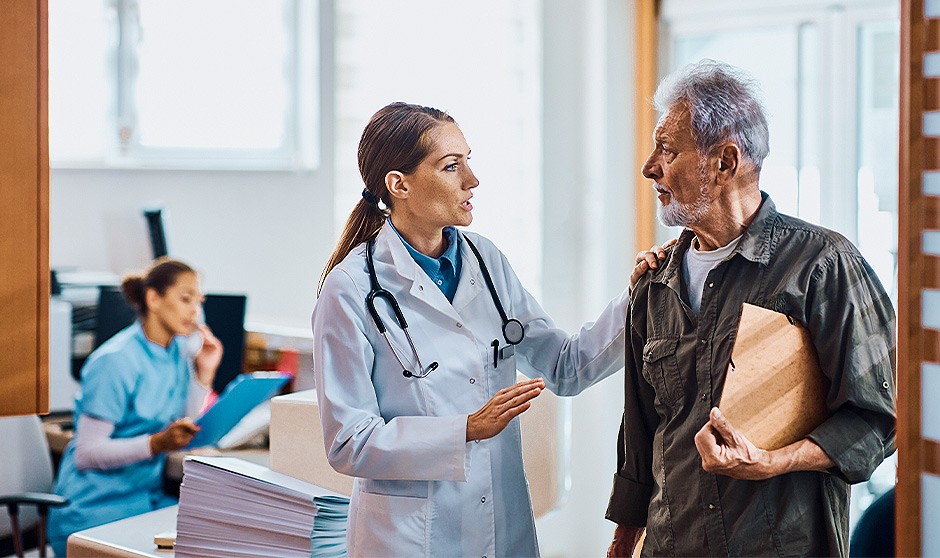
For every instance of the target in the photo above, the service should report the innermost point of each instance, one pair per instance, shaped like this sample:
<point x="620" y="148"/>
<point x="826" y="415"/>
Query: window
<point x="168" y="83"/>
<point x="431" y="52"/>
<point x="829" y="74"/>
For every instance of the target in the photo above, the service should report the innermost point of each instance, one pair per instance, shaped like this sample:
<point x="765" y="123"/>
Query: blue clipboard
<point x="243" y="394"/>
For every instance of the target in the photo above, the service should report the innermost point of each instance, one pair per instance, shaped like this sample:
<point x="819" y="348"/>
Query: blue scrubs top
<point x="141" y="388"/>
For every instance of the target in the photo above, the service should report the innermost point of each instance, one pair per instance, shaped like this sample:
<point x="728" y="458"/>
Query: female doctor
<point x="418" y="331"/>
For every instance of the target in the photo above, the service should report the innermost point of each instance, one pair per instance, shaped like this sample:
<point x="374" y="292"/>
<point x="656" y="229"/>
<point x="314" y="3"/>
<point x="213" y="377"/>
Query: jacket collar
<point x="756" y="243"/>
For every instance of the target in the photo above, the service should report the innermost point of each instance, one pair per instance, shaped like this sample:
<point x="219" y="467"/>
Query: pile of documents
<point x="231" y="508"/>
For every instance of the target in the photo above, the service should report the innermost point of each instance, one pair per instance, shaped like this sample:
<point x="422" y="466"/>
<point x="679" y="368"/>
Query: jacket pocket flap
<point x="656" y="349"/>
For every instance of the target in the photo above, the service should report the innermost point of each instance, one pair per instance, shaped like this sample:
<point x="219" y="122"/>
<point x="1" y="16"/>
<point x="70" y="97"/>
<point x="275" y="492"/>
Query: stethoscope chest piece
<point x="513" y="331"/>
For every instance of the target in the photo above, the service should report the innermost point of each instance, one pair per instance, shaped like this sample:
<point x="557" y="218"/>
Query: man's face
<point x="677" y="170"/>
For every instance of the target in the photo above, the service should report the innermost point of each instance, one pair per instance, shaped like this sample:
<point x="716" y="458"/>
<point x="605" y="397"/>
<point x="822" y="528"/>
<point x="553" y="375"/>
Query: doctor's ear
<point x="395" y="183"/>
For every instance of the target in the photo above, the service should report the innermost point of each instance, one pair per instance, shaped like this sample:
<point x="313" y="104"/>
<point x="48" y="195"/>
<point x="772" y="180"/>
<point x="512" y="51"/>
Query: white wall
<point x="588" y="233"/>
<point x="265" y="234"/>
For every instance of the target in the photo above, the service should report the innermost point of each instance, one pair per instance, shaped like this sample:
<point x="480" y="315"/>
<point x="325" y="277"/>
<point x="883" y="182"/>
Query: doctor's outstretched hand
<point x="506" y="405"/>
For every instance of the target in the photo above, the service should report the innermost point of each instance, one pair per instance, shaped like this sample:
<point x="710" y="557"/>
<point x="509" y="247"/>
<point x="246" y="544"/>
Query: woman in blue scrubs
<point x="138" y="391"/>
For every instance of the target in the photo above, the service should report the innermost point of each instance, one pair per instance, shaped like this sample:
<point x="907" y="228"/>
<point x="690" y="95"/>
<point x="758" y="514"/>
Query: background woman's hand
<point x="175" y="437"/>
<point x="506" y="405"/>
<point x="209" y="356"/>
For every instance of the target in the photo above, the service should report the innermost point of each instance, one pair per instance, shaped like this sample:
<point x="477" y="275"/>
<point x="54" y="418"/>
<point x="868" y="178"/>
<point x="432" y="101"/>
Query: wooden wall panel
<point x="24" y="209"/>
<point x="646" y="47"/>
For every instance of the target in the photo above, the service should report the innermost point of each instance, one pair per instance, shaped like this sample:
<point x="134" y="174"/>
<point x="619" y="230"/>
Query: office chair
<point x="25" y="480"/>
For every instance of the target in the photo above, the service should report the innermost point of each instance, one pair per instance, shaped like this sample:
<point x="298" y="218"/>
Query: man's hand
<point x="725" y="451"/>
<point x="625" y="541"/>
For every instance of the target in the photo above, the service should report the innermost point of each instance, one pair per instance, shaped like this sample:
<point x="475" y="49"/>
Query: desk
<point x="127" y="538"/>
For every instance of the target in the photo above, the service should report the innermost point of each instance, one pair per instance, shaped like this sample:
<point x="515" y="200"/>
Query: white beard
<point x="683" y="214"/>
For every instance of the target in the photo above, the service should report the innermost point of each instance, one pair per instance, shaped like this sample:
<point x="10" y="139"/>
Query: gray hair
<point x="724" y="103"/>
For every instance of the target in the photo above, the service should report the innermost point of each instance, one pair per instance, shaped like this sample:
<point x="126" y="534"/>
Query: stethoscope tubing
<point x="513" y="331"/>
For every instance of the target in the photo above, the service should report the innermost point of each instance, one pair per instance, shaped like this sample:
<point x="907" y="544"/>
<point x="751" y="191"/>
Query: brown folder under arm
<point x="774" y="393"/>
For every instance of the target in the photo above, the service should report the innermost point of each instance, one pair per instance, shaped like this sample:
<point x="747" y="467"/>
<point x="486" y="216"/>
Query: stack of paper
<point x="233" y="508"/>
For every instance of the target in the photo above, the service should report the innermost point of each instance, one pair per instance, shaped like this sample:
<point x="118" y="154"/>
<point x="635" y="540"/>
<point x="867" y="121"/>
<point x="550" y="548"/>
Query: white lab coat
<point x="421" y="489"/>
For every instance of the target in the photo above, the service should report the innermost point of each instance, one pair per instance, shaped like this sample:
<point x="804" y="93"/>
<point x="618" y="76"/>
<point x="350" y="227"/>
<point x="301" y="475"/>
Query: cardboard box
<point x="297" y="446"/>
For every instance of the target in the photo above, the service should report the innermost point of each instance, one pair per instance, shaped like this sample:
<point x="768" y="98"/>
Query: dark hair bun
<point x="134" y="292"/>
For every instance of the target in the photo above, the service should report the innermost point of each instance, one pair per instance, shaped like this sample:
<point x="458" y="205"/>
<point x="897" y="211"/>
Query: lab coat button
<point x="459" y="324"/>
<point x="420" y="287"/>
<point x="473" y="380"/>
<point x="483" y="500"/>
<point x="473" y="282"/>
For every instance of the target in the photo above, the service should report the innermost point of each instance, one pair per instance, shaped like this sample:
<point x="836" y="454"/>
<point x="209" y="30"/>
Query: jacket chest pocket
<point x="661" y="369"/>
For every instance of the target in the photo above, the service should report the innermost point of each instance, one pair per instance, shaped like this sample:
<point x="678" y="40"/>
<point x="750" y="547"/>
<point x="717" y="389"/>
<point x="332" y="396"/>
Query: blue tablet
<point x="243" y="394"/>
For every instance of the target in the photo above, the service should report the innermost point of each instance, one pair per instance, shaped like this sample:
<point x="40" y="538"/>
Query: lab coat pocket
<point x="391" y="526"/>
<point x="661" y="370"/>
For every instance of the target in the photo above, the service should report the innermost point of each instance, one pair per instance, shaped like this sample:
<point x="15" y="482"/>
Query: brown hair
<point x="395" y="139"/>
<point x="160" y="276"/>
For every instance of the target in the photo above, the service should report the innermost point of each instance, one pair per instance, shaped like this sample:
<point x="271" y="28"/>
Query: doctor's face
<point x="440" y="188"/>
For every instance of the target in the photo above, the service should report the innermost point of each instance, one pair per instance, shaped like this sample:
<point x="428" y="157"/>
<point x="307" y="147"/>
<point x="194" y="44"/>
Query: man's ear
<point x="729" y="156"/>
<point x="395" y="183"/>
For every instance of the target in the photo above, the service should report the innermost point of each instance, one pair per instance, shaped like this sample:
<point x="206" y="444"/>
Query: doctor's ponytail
<point x="395" y="139"/>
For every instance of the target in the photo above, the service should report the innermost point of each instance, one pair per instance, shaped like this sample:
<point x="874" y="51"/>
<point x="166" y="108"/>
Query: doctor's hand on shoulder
<point x="649" y="259"/>
<point x="507" y="404"/>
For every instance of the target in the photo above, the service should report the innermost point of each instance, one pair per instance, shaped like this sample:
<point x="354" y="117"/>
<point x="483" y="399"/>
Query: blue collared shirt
<point x="445" y="270"/>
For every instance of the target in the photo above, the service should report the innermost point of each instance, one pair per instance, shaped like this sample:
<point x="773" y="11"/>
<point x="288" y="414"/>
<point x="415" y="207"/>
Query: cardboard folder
<point x="774" y="393"/>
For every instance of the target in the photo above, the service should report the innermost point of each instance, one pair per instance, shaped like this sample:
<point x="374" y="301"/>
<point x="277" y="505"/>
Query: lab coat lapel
<point x="471" y="282"/>
<point x="410" y="276"/>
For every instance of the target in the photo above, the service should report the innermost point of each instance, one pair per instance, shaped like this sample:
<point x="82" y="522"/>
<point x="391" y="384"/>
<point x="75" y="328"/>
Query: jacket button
<point x="711" y="506"/>
<point x="704" y="396"/>
<point x="703" y="341"/>
<point x="710" y="285"/>
<point x="483" y="500"/>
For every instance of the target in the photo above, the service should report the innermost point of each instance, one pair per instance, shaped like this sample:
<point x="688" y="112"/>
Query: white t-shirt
<point x="695" y="268"/>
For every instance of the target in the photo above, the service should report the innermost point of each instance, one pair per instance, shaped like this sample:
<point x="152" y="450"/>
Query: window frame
<point x="300" y="148"/>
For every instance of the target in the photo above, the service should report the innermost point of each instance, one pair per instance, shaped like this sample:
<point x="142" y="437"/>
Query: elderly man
<point x="684" y="473"/>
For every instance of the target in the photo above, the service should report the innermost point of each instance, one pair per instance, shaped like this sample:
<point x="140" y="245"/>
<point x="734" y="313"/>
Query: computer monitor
<point x="113" y="313"/>
<point x="225" y="316"/>
<point x="154" y="218"/>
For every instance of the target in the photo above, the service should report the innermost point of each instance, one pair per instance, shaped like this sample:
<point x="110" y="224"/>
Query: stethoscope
<point x="513" y="332"/>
